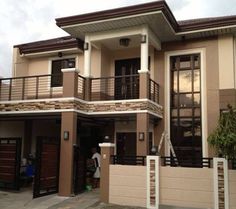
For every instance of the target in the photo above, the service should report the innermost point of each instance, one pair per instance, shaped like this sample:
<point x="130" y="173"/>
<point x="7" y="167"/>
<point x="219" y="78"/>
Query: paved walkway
<point x="23" y="200"/>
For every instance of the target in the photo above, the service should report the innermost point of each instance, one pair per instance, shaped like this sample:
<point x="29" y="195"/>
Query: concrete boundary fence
<point x="153" y="185"/>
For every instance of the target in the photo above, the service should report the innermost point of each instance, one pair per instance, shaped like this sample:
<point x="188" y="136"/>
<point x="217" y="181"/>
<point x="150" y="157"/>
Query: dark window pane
<point x="174" y="112"/>
<point x="196" y="80"/>
<point x="197" y="127"/>
<point x="174" y="102"/>
<point x="185" y="62"/>
<point x="185" y="81"/>
<point x="185" y="112"/>
<point x="174" y="63"/>
<point x="185" y="100"/>
<point x="196" y="99"/>
<point x="197" y="112"/>
<point x="175" y="81"/>
<point x="197" y="61"/>
<point x="57" y="65"/>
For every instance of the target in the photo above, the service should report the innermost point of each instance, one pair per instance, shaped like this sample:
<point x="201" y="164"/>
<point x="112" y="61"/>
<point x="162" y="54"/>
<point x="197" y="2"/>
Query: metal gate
<point x="79" y="170"/>
<point x="10" y="159"/>
<point x="47" y="166"/>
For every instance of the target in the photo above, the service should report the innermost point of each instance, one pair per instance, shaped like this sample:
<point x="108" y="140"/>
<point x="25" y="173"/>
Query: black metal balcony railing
<point x="128" y="160"/>
<point x="30" y="87"/>
<point x="232" y="163"/>
<point x="50" y="86"/>
<point x="81" y="87"/>
<point x="187" y="162"/>
<point x="153" y="91"/>
<point x="115" y="88"/>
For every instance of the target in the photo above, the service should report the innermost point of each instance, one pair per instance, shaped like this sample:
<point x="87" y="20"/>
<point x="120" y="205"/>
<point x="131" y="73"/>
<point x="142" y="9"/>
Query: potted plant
<point x="223" y="138"/>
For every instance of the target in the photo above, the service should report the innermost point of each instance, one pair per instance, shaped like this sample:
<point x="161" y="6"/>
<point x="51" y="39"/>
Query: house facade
<point x="123" y="76"/>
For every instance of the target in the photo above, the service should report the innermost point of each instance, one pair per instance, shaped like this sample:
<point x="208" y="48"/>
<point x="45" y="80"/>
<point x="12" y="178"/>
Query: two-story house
<point x="123" y="76"/>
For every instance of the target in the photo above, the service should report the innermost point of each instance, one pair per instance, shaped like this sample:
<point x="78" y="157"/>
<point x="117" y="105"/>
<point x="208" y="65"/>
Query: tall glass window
<point x="185" y="108"/>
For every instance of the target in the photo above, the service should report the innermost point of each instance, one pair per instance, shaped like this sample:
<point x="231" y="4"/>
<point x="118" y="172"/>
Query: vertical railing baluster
<point x="37" y="87"/>
<point x="50" y="87"/>
<point x="23" y="89"/>
<point x="10" y="89"/>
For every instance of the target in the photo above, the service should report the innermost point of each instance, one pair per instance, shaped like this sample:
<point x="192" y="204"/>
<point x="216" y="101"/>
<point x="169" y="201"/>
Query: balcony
<point x="73" y="92"/>
<point x="100" y="89"/>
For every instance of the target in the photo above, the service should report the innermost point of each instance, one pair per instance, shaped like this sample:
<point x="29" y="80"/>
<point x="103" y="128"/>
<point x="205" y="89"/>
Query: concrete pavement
<point x="23" y="200"/>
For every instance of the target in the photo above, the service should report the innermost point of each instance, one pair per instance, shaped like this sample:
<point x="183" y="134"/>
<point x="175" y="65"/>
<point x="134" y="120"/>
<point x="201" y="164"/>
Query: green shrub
<point x="223" y="139"/>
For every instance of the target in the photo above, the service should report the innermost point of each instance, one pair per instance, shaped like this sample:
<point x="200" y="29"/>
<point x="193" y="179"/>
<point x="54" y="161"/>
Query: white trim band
<point x="67" y="70"/>
<point x="106" y="145"/>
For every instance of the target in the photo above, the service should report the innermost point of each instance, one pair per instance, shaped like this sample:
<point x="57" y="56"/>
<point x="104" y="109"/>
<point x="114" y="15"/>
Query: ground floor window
<point x="185" y="105"/>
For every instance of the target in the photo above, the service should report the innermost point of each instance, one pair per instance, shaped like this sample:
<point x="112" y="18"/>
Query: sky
<point x="25" y="21"/>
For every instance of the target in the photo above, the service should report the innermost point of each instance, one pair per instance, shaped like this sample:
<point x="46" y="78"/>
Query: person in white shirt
<point x="97" y="162"/>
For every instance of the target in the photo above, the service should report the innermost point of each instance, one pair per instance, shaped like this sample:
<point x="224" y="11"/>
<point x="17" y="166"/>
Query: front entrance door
<point x="126" y="144"/>
<point x="127" y="79"/>
<point x="10" y="156"/>
<point x="47" y="166"/>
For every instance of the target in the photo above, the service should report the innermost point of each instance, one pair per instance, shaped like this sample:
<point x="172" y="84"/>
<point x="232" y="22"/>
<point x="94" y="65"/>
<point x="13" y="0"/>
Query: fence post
<point x="153" y="182"/>
<point x="221" y="181"/>
<point x="107" y="149"/>
<point x="1" y="89"/>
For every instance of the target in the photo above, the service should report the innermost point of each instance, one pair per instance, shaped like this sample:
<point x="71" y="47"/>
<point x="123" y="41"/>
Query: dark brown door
<point x="126" y="144"/>
<point x="79" y="170"/>
<point x="10" y="156"/>
<point x="47" y="166"/>
<point x="126" y="82"/>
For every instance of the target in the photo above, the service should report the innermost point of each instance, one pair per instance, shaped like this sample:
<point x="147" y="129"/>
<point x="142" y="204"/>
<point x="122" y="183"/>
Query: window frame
<point x="50" y="60"/>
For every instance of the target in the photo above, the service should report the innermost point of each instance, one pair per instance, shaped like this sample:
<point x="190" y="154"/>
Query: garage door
<point x="47" y="166"/>
<point x="10" y="156"/>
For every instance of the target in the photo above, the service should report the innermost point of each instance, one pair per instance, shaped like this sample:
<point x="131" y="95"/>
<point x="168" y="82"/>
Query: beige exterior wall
<point x="12" y="129"/>
<point x="186" y="187"/>
<point x="226" y="62"/>
<point x="106" y="62"/>
<point x="127" y="185"/>
<point x="44" y="128"/>
<point x="20" y="64"/>
<point x="96" y="62"/>
<point x="232" y="189"/>
<point x="39" y="65"/>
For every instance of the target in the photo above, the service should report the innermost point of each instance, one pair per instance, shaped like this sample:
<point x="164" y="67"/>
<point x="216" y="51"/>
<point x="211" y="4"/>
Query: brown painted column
<point x="87" y="88"/>
<point x="144" y="85"/>
<point x="68" y="124"/>
<point x="70" y="82"/>
<point x="107" y="149"/>
<point x="142" y="127"/>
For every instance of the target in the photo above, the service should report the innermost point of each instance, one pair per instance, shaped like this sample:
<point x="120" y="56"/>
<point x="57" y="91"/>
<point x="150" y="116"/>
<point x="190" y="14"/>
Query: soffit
<point x="155" y="20"/>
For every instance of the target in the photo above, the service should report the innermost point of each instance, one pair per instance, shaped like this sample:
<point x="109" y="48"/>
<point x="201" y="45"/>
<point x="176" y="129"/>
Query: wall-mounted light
<point x="141" y="136"/>
<point x="143" y="39"/>
<point x="107" y="138"/>
<point x="86" y="45"/>
<point x="59" y="54"/>
<point x="154" y="150"/>
<point x="66" y="135"/>
<point x="124" y="42"/>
